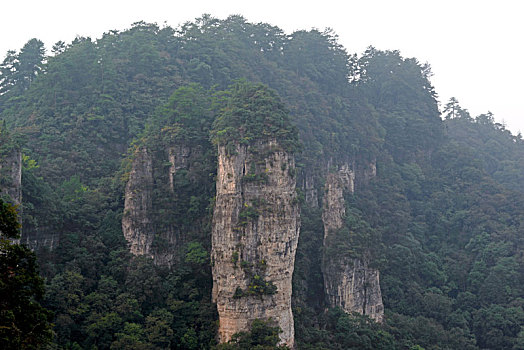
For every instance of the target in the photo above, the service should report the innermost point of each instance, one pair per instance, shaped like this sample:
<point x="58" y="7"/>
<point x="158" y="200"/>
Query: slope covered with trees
<point x="441" y="215"/>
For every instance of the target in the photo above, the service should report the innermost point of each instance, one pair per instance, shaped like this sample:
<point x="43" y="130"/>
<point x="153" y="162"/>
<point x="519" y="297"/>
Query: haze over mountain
<point x="225" y="184"/>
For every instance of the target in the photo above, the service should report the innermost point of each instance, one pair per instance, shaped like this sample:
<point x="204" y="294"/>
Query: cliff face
<point x="179" y="159"/>
<point x="153" y="201"/>
<point x="334" y="205"/>
<point x="349" y="283"/>
<point x="136" y="221"/>
<point x="11" y="175"/>
<point x="140" y="226"/>
<point x="254" y="238"/>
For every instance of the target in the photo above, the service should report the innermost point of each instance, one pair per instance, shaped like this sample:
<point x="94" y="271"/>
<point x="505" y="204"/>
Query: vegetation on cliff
<point x="444" y="211"/>
<point x="252" y="113"/>
<point x="24" y="323"/>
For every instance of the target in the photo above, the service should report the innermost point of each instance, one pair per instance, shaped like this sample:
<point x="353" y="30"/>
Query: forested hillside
<point x="120" y="140"/>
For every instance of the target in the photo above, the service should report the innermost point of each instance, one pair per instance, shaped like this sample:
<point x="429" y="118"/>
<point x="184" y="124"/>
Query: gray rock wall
<point x="349" y="283"/>
<point x="254" y="239"/>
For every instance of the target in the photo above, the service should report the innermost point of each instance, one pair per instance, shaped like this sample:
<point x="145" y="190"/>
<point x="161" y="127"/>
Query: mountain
<point x="227" y="182"/>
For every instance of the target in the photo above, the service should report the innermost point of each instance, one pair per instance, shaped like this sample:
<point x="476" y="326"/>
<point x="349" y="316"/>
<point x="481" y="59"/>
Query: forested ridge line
<point x="443" y="218"/>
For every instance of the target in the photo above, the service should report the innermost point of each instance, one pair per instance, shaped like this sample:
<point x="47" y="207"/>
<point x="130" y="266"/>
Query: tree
<point x="263" y="335"/>
<point x="9" y="225"/>
<point x="58" y="47"/>
<point x="7" y="71"/>
<point x="18" y="71"/>
<point x="30" y="62"/>
<point x="485" y="118"/>
<point x="24" y="323"/>
<point x="253" y="112"/>
<point x="452" y="110"/>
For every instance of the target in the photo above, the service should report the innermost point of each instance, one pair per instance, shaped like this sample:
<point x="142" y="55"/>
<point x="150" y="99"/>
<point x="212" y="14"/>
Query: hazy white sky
<point x="475" y="47"/>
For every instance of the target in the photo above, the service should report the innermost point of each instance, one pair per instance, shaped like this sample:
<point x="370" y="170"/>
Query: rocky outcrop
<point x="151" y="198"/>
<point x="354" y="287"/>
<point x="138" y="205"/>
<point x="254" y="238"/>
<point x="310" y="192"/>
<point x="349" y="283"/>
<point x="40" y="238"/>
<point x="11" y="189"/>
<point x="366" y="172"/>
<point x="179" y="159"/>
<point x="334" y="205"/>
<point x="143" y="233"/>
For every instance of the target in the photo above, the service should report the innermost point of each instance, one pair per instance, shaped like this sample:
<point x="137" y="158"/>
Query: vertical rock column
<point x="143" y="229"/>
<point x="349" y="283"/>
<point x="254" y="236"/>
<point x="136" y="221"/>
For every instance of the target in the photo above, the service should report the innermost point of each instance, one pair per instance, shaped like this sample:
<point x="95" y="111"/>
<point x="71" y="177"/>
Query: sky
<point x="475" y="47"/>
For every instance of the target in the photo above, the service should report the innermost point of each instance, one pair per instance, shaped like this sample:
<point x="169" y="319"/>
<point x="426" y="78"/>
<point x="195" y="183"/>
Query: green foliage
<point x="320" y="57"/>
<point x="255" y="273"/>
<point x="186" y="118"/>
<point x="339" y="330"/>
<point x="24" y="323"/>
<point x="239" y="293"/>
<point x="263" y="335"/>
<point x="9" y="160"/>
<point x="248" y="213"/>
<point x="258" y="178"/>
<point x="131" y="337"/>
<point x="442" y="218"/>
<point x="251" y="113"/>
<point x="18" y="71"/>
<point x="234" y="258"/>
<point x="453" y="110"/>
<point x="196" y="254"/>
<point x="400" y="90"/>
<point x="8" y="141"/>
<point x="9" y="223"/>
<point x="356" y="239"/>
<point x="258" y="286"/>
<point x="500" y="153"/>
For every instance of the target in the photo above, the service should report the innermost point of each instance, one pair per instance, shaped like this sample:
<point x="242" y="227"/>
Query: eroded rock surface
<point x="254" y="238"/>
<point x="137" y="226"/>
<point x="349" y="283"/>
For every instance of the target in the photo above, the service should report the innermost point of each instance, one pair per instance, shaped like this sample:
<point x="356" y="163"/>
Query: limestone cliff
<point x="349" y="283"/>
<point x="145" y="232"/>
<point x="254" y="238"/>
<point x="155" y="209"/>
<point x="179" y="157"/>
<point x="310" y="192"/>
<point x="136" y="221"/>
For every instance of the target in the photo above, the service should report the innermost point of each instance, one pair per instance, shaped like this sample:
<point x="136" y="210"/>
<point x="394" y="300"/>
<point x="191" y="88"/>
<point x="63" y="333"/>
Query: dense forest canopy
<point x="443" y="218"/>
